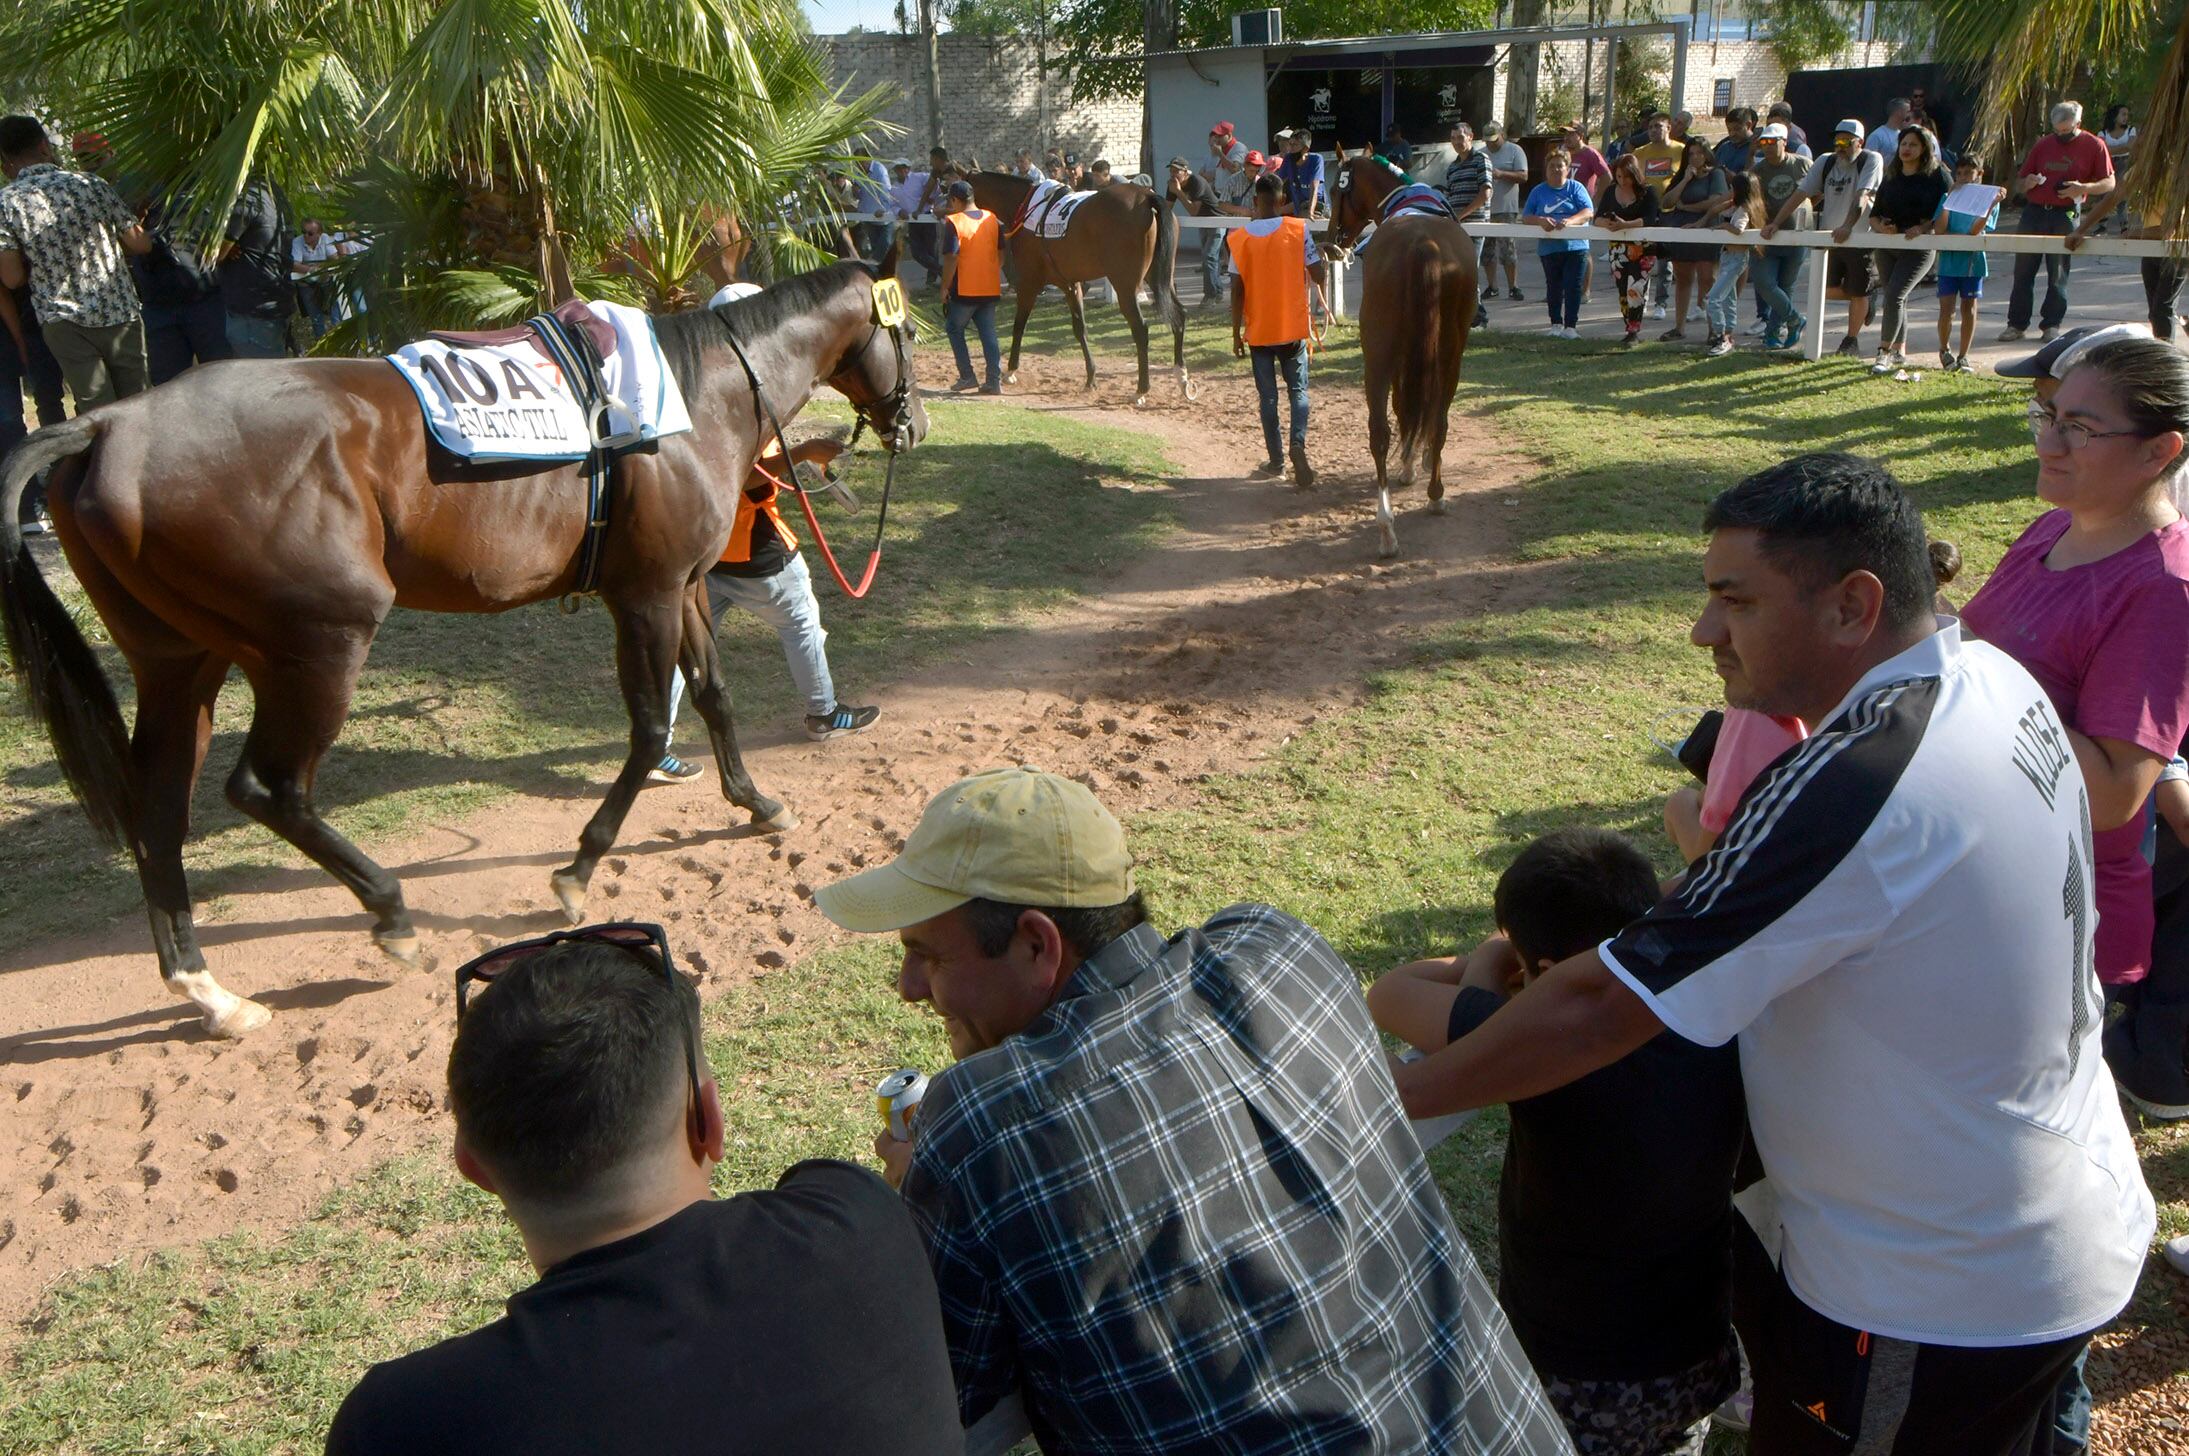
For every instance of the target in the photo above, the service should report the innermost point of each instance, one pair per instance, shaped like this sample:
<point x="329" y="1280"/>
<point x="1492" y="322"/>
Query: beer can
<point x="897" y="1098"/>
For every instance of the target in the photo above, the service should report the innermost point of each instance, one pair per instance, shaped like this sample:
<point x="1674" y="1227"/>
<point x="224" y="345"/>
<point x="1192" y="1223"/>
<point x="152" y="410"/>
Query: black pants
<point x="2146" y="1044"/>
<point x="1899" y="270"/>
<point x="42" y="373"/>
<point x="2162" y="280"/>
<point x="1823" y="1389"/>
<point x="2057" y="222"/>
<point x="920" y="237"/>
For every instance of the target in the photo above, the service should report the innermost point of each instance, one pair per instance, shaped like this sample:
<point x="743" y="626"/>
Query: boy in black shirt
<point x="802" y="1318"/>
<point x="1614" y="1210"/>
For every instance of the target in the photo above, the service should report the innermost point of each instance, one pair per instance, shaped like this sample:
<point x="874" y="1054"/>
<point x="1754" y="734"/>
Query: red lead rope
<point x="874" y="558"/>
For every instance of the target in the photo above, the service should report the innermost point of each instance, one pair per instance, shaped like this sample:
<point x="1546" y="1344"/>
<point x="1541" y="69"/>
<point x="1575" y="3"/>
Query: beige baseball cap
<point x="1014" y="835"/>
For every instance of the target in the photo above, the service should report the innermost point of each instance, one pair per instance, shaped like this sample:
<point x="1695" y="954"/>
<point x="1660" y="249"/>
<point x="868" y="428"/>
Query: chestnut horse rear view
<point x="1417" y="304"/>
<point x="268" y="514"/>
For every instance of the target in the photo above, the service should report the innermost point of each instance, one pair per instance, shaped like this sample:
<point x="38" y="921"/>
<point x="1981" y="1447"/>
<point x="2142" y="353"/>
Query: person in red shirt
<point x="2062" y="172"/>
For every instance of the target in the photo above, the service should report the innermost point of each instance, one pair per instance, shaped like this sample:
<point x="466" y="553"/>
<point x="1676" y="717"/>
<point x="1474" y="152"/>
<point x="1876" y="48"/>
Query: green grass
<point x="1384" y="826"/>
<point x="456" y="712"/>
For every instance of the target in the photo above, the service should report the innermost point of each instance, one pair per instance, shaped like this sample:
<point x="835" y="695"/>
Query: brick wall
<point x="992" y="103"/>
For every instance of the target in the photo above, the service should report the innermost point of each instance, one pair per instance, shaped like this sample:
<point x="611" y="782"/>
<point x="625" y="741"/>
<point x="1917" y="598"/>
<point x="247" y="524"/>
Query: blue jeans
<point x="785" y="602"/>
<point x="982" y="314"/>
<point x="1776" y="273"/>
<point x="176" y="338"/>
<point x="1214" y="248"/>
<point x="1562" y="271"/>
<point x="1723" y="307"/>
<point x="1292" y="360"/>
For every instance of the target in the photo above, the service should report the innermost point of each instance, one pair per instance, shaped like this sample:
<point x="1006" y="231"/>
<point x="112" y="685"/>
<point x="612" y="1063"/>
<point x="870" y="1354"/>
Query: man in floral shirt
<point x="65" y="232"/>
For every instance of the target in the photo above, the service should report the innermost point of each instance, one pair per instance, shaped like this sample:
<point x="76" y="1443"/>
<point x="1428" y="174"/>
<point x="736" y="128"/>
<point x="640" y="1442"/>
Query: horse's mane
<point x="686" y="337"/>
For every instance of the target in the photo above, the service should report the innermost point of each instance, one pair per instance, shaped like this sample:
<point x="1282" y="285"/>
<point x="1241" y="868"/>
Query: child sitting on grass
<point x="1614" y="1210"/>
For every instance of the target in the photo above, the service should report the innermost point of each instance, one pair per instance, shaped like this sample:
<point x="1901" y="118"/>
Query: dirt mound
<point x="128" y="1129"/>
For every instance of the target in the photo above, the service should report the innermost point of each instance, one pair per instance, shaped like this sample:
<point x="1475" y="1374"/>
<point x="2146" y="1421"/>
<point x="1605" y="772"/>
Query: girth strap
<point x="580" y="363"/>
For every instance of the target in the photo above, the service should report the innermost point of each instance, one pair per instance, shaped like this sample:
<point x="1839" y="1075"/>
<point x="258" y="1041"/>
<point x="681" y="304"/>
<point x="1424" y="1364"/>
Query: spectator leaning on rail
<point x="2063" y="170"/>
<point x="1776" y="272"/>
<point x="1508" y="174"/>
<point x="2162" y="276"/>
<point x="1842" y="185"/>
<point x="1167" y="1189"/>
<point x="65" y="234"/>
<point x="1466" y="188"/>
<point x="1897" y="926"/>
<point x="1906" y="206"/>
<point x="664" y="1319"/>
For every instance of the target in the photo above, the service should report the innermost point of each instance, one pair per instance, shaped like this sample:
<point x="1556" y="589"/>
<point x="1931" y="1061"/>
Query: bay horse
<point x="1418" y="285"/>
<point x="267" y="514"/>
<point x="1123" y="232"/>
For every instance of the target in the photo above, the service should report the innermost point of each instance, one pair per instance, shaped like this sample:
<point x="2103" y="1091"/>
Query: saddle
<point x="571" y="314"/>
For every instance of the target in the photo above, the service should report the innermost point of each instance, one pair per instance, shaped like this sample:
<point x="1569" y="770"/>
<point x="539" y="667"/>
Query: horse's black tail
<point x="59" y="675"/>
<point x="1421" y="316"/>
<point x="1162" y="274"/>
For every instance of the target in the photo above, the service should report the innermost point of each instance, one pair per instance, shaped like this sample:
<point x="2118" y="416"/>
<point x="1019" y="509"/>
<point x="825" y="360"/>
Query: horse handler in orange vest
<point x="1273" y="257"/>
<point x="762" y="572"/>
<point x="972" y="281"/>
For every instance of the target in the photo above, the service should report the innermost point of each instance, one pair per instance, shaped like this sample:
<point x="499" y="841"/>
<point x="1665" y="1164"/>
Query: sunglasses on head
<point x="636" y="938"/>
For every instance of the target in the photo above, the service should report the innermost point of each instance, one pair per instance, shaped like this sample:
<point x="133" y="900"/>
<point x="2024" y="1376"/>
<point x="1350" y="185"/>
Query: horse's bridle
<point x="895" y="406"/>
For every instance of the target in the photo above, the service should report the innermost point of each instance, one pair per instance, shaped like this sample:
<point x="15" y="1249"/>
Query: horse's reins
<point x="889" y="313"/>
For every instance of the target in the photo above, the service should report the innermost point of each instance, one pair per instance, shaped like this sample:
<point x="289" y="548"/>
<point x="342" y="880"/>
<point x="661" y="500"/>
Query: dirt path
<point x="127" y="1129"/>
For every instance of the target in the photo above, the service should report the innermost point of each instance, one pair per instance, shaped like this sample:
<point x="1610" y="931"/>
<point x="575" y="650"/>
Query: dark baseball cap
<point x="2052" y="360"/>
<point x="1181" y="164"/>
<point x="961" y="191"/>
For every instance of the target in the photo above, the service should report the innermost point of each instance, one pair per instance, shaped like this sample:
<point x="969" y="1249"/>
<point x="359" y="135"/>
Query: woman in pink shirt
<point x="2094" y="601"/>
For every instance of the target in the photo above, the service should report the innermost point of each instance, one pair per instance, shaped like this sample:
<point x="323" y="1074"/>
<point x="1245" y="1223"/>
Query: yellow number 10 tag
<point x="888" y="302"/>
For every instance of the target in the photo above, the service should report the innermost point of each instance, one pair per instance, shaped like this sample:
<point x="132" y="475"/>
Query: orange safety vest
<point x="1273" y="277"/>
<point x="755" y="500"/>
<point x="980" y="254"/>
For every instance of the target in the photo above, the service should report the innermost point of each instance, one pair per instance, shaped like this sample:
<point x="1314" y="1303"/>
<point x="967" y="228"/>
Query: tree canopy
<point x="478" y="141"/>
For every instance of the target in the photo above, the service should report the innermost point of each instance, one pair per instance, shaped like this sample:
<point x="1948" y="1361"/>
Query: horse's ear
<point x="888" y="268"/>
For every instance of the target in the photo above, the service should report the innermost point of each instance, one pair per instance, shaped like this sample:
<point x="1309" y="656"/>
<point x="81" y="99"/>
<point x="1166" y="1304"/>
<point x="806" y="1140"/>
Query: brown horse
<point x="1417" y="303"/>
<point x="268" y="514"/>
<point x="1123" y="233"/>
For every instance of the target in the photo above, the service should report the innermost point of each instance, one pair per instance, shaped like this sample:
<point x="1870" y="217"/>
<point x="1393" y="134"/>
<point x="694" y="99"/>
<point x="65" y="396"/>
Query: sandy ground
<point x="128" y="1129"/>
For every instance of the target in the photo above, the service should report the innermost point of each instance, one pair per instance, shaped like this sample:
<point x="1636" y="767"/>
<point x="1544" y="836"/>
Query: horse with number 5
<point x="1418" y="288"/>
<point x="266" y="515"/>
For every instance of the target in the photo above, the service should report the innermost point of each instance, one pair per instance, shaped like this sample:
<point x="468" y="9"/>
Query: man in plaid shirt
<point x="1168" y="1190"/>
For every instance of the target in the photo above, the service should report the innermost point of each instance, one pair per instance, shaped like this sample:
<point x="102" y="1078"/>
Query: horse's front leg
<point x="1073" y="295"/>
<point x="710" y="689"/>
<point x="1379" y="446"/>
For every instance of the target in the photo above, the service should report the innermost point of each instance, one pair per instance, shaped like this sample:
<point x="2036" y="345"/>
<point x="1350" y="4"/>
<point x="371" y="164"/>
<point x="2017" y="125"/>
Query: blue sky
<point x="832" y="16"/>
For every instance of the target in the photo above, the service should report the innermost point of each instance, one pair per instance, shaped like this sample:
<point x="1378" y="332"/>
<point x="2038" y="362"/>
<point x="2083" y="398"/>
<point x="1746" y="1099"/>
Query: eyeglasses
<point x="635" y="937"/>
<point x="2073" y="433"/>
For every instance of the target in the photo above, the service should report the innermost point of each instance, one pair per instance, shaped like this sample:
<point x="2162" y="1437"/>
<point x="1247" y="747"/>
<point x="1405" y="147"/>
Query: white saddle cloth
<point x="1051" y="207"/>
<point x="510" y="402"/>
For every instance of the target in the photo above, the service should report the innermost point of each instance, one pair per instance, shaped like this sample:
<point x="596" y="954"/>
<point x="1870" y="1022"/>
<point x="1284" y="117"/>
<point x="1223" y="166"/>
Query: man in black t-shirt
<point x="802" y="1318"/>
<point x="254" y="275"/>
<point x="1633" y="1337"/>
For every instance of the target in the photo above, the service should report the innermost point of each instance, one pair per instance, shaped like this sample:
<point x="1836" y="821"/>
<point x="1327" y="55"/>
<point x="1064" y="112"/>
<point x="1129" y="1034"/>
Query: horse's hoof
<point x="1011" y="377"/>
<point x="239" y="1020"/>
<point x="1140" y="401"/>
<point x="403" y="947"/>
<point x="1436" y="507"/>
<point x="570" y="890"/>
<point x="782" y="821"/>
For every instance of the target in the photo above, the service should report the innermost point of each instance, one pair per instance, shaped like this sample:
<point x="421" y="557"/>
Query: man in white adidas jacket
<point x="1897" y="925"/>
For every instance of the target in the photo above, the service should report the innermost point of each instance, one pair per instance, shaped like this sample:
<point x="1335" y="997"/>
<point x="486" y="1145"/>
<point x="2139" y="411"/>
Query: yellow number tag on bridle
<point x="888" y="302"/>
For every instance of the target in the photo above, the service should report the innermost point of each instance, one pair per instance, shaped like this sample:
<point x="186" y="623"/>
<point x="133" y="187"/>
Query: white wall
<point x="1187" y="99"/>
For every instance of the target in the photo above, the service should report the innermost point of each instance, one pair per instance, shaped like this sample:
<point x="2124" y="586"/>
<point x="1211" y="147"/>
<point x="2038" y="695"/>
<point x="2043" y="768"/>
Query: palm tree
<point x="2029" y="51"/>
<point x="497" y="149"/>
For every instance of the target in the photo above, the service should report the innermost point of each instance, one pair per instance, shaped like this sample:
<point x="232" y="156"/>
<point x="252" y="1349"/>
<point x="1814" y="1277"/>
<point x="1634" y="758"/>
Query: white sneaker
<point x="1695" y="314"/>
<point x="1569" y="333"/>
<point x="2177" y="1253"/>
<point x="1756" y="328"/>
<point x="1657" y="312"/>
<point x="1555" y="331"/>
